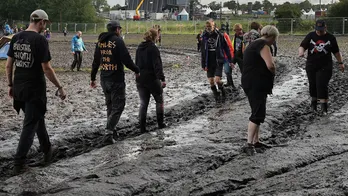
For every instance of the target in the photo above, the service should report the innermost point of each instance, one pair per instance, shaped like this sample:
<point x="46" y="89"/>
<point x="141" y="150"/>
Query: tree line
<point x="87" y="10"/>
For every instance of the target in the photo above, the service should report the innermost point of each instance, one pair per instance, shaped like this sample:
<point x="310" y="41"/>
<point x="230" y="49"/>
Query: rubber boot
<point x="324" y="107"/>
<point x="223" y="92"/>
<point x="160" y="121"/>
<point x="216" y="93"/>
<point x="230" y="82"/>
<point x="314" y="104"/>
<point x="142" y="122"/>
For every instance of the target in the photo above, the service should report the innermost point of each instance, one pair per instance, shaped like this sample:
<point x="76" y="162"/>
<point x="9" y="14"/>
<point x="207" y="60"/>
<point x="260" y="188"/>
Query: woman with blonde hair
<point x="257" y="82"/>
<point x="151" y="80"/>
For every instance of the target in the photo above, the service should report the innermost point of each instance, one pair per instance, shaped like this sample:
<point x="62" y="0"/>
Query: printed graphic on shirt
<point x="106" y="52"/>
<point x="238" y="44"/>
<point x="319" y="46"/>
<point x="211" y="43"/>
<point x="23" y="54"/>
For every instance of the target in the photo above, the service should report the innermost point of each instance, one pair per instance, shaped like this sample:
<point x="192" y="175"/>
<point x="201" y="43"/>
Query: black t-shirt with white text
<point x="29" y="49"/>
<point x="320" y="48"/>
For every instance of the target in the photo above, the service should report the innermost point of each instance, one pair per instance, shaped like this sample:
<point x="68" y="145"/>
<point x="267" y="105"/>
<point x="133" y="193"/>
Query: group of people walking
<point x="29" y="54"/>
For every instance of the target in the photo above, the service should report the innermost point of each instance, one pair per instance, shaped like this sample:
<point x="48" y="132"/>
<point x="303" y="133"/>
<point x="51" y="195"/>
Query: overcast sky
<point x="121" y="2"/>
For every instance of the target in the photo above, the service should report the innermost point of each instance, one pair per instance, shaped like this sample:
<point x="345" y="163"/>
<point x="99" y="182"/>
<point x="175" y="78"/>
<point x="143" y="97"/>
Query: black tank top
<point x="255" y="74"/>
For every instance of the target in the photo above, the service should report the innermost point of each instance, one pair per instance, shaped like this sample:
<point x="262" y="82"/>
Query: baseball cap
<point x="39" y="15"/>
<point x="113" y="24"/>
<point x="320" y="25"/>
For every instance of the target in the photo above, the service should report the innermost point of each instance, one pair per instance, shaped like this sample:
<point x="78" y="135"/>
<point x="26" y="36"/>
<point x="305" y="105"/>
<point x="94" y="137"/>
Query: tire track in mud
<point x="71" y="147"/>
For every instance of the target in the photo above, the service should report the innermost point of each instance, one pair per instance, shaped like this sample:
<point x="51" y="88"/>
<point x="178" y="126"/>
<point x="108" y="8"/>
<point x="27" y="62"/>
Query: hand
<point x="163" y="84"/>
<point x="61" y="93"/>
<point x="93" y="84"/>
<point x="232" y="65"/>
<point x="301" y="54"/>
<point x="10" y="92"/>
<point x="341" y="67"/>
<point x="205" y="69"/>
<point x="137" y="75"/>
<point x="73" y="53"/>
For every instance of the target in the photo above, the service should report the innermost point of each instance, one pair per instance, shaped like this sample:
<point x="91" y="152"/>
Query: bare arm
<point x="339" y="59"/>
<point x="9" y="70"/>
<point x="267" y="57"/>
<point x="301" y="51"/>
<point x="50" y="74"/>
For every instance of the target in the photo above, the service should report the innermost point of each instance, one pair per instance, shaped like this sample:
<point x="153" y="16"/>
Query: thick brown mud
<point x="199" y="152"/>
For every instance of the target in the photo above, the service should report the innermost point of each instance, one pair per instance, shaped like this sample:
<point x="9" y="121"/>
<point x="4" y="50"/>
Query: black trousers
<point x="77" y="61"/>
<point x="34" y="122"/>
<point x="319" y="80"/>
<point x="115" y="99"/>
<point x="145" y="90"/>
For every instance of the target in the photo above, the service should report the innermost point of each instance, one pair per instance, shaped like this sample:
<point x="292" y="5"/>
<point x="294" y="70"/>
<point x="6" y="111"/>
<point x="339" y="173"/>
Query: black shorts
<point x="215" y="71"/>
<point x="257" y="101"/>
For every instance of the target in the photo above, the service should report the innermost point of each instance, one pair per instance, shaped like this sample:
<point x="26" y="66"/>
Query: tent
<point x="4" y="46"/>
<point x="207" y="11"/>
<point x="183" y="15"/>
<point x="3" y="51"/>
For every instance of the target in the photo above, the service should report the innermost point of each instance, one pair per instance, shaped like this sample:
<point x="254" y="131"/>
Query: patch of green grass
<point x="2" y="66"/>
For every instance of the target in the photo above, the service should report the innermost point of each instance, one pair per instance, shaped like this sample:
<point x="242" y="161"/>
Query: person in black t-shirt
<point x="199" y="40"/>
<point x="257" y="82"/>
<point x="320" y="44"/>
<point x="111" y="54"/>
<point x="30" y="55"/>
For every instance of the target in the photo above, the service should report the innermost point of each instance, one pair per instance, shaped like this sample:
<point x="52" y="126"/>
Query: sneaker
<point x="261" y="147"/>
<point x="19" y="169"/>
<point x="249" y="149"/>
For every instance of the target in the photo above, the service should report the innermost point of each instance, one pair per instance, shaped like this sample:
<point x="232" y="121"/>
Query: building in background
<point x="151" y="5"/>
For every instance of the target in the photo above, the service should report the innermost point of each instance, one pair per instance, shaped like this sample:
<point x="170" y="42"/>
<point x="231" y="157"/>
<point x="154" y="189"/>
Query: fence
<point x="290" y="26"/>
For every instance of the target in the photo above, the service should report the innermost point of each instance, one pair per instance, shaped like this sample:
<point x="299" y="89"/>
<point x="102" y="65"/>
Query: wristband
<point x="340" y="63"/>
<point x="10" y="85"/>
<point x="60" y="87"/>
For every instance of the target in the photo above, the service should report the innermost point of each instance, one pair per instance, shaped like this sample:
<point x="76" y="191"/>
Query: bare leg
<point x="252" y="132"/>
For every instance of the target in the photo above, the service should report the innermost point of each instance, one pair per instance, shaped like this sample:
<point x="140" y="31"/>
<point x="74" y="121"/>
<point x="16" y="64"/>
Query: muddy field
<point x="199" y="152"/>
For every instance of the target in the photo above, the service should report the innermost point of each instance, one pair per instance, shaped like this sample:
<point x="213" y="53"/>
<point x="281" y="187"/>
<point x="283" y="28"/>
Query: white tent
<point x="207" y="11"/>
<point x="308" y="15"/>
<point x="183" y="15"/>
<point x="225" y="10"/>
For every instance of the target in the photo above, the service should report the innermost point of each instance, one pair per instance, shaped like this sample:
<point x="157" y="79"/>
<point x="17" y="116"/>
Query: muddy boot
<point x="249" y="149"/>
<point x="230" y="82"/>
<point x="19" y="169"/>
<point x="223" y="93"/>
<point x="261" y="147"/>
<point x="48" y="156"/>
<point x="160" y="121"/>
<point x="314" y="106"/>
<point x="143" y="126"/>
<point x="108" y="137"/>
<point x="216" y="93"/>
<point x="324" y="108"/>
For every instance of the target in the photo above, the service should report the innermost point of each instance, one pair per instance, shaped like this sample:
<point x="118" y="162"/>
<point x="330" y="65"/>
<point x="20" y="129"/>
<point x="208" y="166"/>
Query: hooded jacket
<point x="111" y="54"/>
<point x="77" y="44"/>
<point x="221" y="49"/>
<point x="149" y="61"/>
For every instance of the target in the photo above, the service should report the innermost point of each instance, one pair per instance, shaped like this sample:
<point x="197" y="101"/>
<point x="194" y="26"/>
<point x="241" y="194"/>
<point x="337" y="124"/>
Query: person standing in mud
<point x="227" y="66"/>
<point x="159" y="37"/>
<point x="111" y="54"/>
<point x="77" y="47"/>
<point x="320" y="44"/>
<point x="238" y="46"/>
<point x="213" y="48"/>
<point x="275" y="46"/>
<point x="253" y="34"/>
<point x="30" y="55"/>
<point x="199" y="40"/>
<point x="151" y="80"/>
<point x="257" y="82"/>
